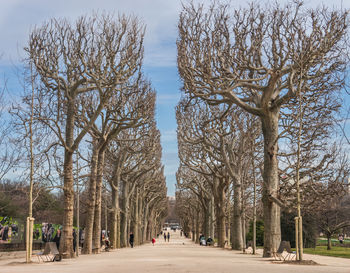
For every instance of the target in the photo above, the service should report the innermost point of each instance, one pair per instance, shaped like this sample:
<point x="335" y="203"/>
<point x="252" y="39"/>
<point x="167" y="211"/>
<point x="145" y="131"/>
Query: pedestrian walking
<point x="131" y="239"/>
<point x="153" y="241"/>
<point x="164" y="237"/>
<point x="168" y="236"/>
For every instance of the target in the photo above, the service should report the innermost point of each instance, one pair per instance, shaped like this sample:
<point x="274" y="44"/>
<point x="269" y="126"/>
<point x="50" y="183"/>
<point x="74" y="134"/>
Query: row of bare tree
<point x="88" y="116"/>
<point x="256" y="123"/>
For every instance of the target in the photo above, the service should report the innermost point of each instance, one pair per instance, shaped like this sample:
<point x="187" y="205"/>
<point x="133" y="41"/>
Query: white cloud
<point x="163" y="99"/>
<point x="17" y="17"/>
<point x="168" y="136"/>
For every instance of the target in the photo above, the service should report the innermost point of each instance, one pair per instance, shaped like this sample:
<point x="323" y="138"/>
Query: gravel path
<point x="179" y="255"/>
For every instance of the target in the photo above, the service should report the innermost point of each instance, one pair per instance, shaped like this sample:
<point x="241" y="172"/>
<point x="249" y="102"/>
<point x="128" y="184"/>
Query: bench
<point x="249" y="248"/>
<point x="50" y="253"/>
<point x="284" y="247"/>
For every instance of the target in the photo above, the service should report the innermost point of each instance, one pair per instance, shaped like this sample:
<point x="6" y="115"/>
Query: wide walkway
<point x="179" y="255"/>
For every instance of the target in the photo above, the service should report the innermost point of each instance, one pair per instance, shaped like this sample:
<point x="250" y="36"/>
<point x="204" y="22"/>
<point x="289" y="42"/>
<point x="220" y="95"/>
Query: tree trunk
<point x="220" y="217"/>
<point x="96" y="238"/>
<point x="91" y="203"/>
<point x="272" y="225"/>
<point x="66" y="245"/>
<point x="140" y="222"/>
<point x="197" y="227"/>
<point x="150" y="225"/>
<point x="220" y="223"/>
<point x="206" y="222"/>
<point x="237" y="241"/>
<point x="124" y="216"/>
<point x="114" y="218"/>
<point x="212" y="218"/>
<point x="243" y="232"/>
<point x="136" y="219"/>
<point x="193" y="229"/>
<point x="228" y="223"/>
<point x="329" y="242"/>
<point x="145" y="223"/>
<point x="118" y="229"/>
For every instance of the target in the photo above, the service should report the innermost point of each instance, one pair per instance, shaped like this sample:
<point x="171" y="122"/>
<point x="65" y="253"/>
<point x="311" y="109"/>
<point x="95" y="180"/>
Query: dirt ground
<point x="178" y="255"/>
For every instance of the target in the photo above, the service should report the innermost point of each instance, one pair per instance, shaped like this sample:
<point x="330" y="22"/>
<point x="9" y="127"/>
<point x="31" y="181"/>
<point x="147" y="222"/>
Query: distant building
<point x="172" y="218"/>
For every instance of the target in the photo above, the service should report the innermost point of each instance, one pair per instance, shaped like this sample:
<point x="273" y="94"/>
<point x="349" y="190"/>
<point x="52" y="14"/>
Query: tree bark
<point x="140" y="222"/>
<point x="272" y="225"/>
<point x="193" y="229"/>
<point x="115" y="212"/>
<point x="220" y="217"/>
<point x="145" y="223"/>
<point x="212" y="218"/>
<point x="206" y="222"/>
<point x="124" y="217"/>
<point x="136" y="219"/>
<point x="329" y="242"/>
<point x="197" y="227"/>
<point x="96" y="238"/>
<point x="237" y="241"/>
<point x="66" y="245"/>
<point x="91" y="203"/>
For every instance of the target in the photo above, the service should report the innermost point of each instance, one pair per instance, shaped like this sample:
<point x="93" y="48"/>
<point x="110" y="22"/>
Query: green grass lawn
<point x="336" y="251"/>
<point x="323" y="241"/>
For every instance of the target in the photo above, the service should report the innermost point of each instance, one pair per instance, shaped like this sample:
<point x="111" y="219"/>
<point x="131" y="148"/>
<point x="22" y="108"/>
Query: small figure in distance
<point x="107" y="244"/>
<point x="153" y="241"/>
<point x="341" y="238"/>
<point x="164" y="237"/>
<point x="131" y="239"/>
<point x="168" y="236"/>
<point x="210" y="242"/>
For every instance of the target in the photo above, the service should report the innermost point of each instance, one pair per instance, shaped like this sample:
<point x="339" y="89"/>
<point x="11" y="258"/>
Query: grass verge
<point x="336" y="251"/>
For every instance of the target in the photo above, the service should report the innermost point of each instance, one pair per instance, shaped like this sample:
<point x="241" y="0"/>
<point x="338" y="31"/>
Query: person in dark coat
<point x="131" y="239"/>
<point x="164" y="237"/>
<point x="168" y="236"/>
<point x="5" y="233"/>
<point x="57" y="238"/>
<point x="74" y="240"/>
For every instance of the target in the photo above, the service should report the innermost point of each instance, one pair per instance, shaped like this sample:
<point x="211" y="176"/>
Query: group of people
<point x="7" y="232"/>
<point x="166" y="236"/>
<point x="52" y="233"/>
<point x="57" y="238"/>
<point x="204" y="242"/>
<point x="47" y="232"/>
<point x="131" y="238"/>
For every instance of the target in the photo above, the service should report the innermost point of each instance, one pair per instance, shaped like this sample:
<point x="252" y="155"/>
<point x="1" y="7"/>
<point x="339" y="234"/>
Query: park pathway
<point x="179" y="255"/>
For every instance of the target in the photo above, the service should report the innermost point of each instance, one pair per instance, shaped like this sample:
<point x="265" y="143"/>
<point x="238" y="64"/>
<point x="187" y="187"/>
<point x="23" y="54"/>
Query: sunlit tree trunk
<point x="66" y="245"/>
<point x="272" y="215"/>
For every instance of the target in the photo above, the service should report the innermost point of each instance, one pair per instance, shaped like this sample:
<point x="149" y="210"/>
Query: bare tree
<point x="334" y="217"/>
<point x="259" y="58"/>
<point x="10" y="154"/>
<point x="93" y="55"/>
<point x="130" y="106"/>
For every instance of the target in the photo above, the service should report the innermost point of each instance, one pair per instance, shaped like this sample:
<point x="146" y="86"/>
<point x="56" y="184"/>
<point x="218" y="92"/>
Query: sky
<point x="18" y="17"/>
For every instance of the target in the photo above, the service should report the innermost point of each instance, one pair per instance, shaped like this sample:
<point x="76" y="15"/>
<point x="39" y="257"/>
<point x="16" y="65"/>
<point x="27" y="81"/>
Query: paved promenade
<point x="179" y="255"/>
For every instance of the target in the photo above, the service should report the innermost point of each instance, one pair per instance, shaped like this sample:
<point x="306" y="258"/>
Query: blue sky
<point x="18" y="17"/>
